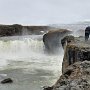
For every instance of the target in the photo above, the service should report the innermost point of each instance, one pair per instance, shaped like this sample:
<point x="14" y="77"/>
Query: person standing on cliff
<point x="87" y="32"/>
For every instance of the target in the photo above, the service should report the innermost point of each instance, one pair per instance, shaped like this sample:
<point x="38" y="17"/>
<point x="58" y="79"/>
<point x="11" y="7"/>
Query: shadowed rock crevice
<point x="5" y="81"/>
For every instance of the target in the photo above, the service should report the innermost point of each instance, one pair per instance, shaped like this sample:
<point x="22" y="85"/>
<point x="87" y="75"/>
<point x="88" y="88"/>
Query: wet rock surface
<point x="77" y="79"/>
<point x="75" y="66"/>
<point x="75" y="51"/>
<point x="5" y="81"/>
<point x="48" y="88"/>
<point x="16" y="29"/>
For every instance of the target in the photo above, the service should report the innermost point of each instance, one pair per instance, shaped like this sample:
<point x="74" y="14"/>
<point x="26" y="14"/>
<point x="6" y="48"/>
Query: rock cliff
<point x="53" y="38"/>
<point x="75" y="67"/>
<point x="16" y="29"/>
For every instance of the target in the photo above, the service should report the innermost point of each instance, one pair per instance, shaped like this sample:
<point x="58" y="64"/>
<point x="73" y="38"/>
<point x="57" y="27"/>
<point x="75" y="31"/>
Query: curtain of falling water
<point x="27" y="53"/>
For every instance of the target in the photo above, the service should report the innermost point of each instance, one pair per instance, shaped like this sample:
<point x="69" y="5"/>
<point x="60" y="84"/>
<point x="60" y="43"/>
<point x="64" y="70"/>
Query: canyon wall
<point x="16" y="29"/>
<point x="52" y="39"/>
<point x="75" y="66"/>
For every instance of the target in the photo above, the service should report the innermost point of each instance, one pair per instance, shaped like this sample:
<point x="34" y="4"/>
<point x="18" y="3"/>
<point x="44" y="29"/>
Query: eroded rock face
<point x="76" y="77"/>
<point x="9" y="30"/>
<point x="73" y="54"/>
<point x="52" y="39"/>
<point x="75" y="67"/>
<point x="16" y="29"/>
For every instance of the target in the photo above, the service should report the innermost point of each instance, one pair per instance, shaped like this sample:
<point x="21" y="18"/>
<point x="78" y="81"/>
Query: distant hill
<point x="74" y="26"/>
<point x="84" y="22"/>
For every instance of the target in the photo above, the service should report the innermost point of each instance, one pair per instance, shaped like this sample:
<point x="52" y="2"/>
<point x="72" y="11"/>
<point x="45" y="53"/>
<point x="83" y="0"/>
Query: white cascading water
<point x="26" y="54"/>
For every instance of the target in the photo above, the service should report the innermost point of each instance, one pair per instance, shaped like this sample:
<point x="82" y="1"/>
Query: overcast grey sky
<point x="34" y="12"/>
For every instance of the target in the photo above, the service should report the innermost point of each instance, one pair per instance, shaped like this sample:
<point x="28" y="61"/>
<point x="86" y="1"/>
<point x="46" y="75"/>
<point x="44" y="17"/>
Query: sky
<point x="43" y="12"/>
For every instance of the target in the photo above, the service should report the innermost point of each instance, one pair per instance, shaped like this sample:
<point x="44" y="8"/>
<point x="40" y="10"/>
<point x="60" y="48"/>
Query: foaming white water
<point x="20" y="48"/>
<point x="26" y="54"/>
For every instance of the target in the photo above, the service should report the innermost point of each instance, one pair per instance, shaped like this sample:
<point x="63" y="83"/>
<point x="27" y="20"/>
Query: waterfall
<point x="27" y="53"/>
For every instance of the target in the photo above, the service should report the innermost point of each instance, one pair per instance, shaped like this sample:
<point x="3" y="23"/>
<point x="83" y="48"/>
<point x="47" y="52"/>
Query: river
<point x="23" y="59"/>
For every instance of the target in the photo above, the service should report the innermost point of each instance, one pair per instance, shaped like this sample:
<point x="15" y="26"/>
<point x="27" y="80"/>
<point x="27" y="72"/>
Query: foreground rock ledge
<point x="76" y="77"/>
<point x="76" y="67"/>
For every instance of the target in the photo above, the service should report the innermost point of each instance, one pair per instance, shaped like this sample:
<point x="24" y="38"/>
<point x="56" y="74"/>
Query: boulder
<point x="16" y="29"/>
<point x="47" y="88"/>
<point x="74" y="53"/>
<point x="10" y="30"/>
<point x="8" y="80"/>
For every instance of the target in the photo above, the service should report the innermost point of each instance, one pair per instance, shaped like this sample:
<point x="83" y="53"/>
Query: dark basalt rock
<point x="75" y="53"/>
<point x="77" y="80"/>
<point x="68" y="72"/>
<point x="75" y="66"/>
<point x="48" y="88"/>
<point x="8" y="80"/>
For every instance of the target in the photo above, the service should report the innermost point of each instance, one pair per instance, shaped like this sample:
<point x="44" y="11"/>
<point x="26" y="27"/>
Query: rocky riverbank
<point x="75" y="67"/>
<point x="16" y="29"/>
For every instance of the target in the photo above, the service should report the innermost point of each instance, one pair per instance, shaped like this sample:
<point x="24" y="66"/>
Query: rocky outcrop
<point x="16" y="29"/>
<point x="75" y="67"/>
<point x="75" y="52"/>
<point x="76" y="77"/>
<point x="52" y="39"/>
<point x="9" y="30"/>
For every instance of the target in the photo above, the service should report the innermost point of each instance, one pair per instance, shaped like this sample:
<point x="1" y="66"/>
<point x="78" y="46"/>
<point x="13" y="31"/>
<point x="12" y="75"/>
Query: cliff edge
<point x="75" y="66"/>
